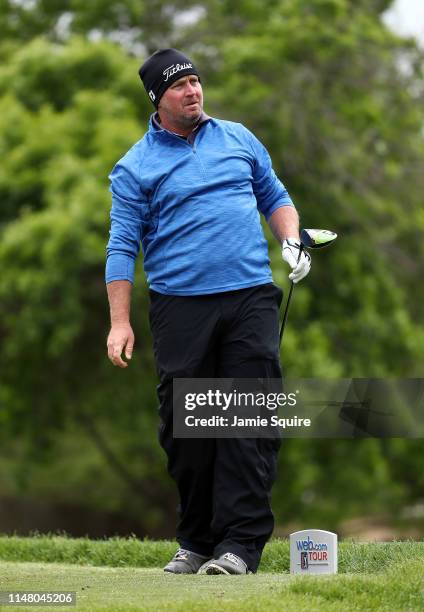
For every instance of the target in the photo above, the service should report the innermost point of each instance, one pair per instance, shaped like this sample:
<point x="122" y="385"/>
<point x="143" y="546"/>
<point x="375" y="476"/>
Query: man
<point x="190" y="191"/>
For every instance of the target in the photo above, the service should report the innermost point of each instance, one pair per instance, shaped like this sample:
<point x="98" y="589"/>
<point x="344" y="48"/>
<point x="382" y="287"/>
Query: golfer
<point x="191" y="192"/>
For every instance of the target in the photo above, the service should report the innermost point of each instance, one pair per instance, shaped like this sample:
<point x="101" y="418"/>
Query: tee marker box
<point x="313" y="551"/>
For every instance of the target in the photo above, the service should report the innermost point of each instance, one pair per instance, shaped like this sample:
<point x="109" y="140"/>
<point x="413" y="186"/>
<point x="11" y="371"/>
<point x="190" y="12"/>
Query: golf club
<point x="309" y="239"/>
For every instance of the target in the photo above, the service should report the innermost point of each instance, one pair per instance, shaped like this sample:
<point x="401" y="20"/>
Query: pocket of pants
<point x="279" y="293"/>
<point x="159" y="307"/>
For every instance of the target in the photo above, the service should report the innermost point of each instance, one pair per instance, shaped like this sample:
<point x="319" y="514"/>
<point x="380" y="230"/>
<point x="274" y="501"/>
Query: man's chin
<point x="193" y="116"/>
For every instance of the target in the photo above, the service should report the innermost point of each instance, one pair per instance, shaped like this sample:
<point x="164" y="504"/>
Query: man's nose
<point x="190" y="89"/>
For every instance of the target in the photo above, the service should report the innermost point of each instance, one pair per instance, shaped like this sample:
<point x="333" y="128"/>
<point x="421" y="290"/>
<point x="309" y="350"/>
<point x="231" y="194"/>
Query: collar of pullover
<point x="156" y="125"/>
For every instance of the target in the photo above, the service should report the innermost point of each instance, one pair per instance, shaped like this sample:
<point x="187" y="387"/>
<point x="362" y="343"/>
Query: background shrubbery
<point x="338" y="100"/>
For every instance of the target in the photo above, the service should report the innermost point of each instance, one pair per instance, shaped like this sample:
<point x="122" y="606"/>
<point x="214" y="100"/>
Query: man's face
<point x="182" y="102"/>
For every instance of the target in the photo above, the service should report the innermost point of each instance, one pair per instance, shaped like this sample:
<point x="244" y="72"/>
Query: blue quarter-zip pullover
<point x="194" y="207"/>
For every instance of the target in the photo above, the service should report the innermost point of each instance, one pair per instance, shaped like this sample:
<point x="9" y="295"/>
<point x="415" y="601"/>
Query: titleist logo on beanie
<point x="162" y="69"/>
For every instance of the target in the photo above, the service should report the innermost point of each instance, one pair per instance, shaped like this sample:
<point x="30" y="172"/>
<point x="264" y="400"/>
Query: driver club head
<point x="316" y="238"/>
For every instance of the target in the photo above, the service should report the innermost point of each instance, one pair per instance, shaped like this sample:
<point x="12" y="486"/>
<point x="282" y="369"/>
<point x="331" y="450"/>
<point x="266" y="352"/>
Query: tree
<point x="337" y="99"/>
<point x="133" y="23"/>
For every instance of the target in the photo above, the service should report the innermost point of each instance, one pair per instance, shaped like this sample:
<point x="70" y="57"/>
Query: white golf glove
<point x="300" y="267"/>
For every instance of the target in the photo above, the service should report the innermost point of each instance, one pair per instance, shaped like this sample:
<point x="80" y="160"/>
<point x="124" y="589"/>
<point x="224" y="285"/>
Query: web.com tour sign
<point x="313" y="551"/>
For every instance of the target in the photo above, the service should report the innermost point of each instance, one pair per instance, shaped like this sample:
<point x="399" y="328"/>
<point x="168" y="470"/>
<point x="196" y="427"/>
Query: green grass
<point x="121" y="575"/>
<point x="121" y="552"/>
<point x="116" y="589"/>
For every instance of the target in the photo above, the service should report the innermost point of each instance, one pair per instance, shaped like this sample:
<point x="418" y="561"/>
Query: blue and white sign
<point x="313" y="551"/>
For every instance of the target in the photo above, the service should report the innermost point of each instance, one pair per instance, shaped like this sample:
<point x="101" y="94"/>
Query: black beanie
<point x="161" y="69"/>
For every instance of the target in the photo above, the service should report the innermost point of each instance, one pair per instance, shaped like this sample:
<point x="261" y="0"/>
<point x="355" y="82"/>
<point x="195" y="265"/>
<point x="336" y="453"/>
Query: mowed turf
<point x="374" y="577"/>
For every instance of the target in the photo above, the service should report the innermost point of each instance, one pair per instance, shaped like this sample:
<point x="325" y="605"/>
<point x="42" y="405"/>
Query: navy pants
<point x="224" y="484"/>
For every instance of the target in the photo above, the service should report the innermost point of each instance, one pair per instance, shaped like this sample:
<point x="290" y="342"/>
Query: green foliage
<point x="337" y="99"/>
<point x="41" y="73"/>
<point x="149" y="23"/>
<point x="54" y="185"/>
<point x="343" y="126"/>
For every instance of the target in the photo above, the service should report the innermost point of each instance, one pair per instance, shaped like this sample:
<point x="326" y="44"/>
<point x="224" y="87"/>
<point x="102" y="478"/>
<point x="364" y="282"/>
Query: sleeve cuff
<point x="119" y="266"/>
<point x="276" y="206"/>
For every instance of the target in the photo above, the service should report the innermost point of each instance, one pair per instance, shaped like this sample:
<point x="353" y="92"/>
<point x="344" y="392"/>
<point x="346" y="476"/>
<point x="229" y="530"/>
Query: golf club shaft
<point x="283" y="323"/>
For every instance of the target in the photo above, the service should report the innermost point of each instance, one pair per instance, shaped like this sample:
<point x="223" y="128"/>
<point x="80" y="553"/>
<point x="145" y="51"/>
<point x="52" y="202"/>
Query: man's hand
<point x="120" y="336"/>
<point x="300" y="265"/>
